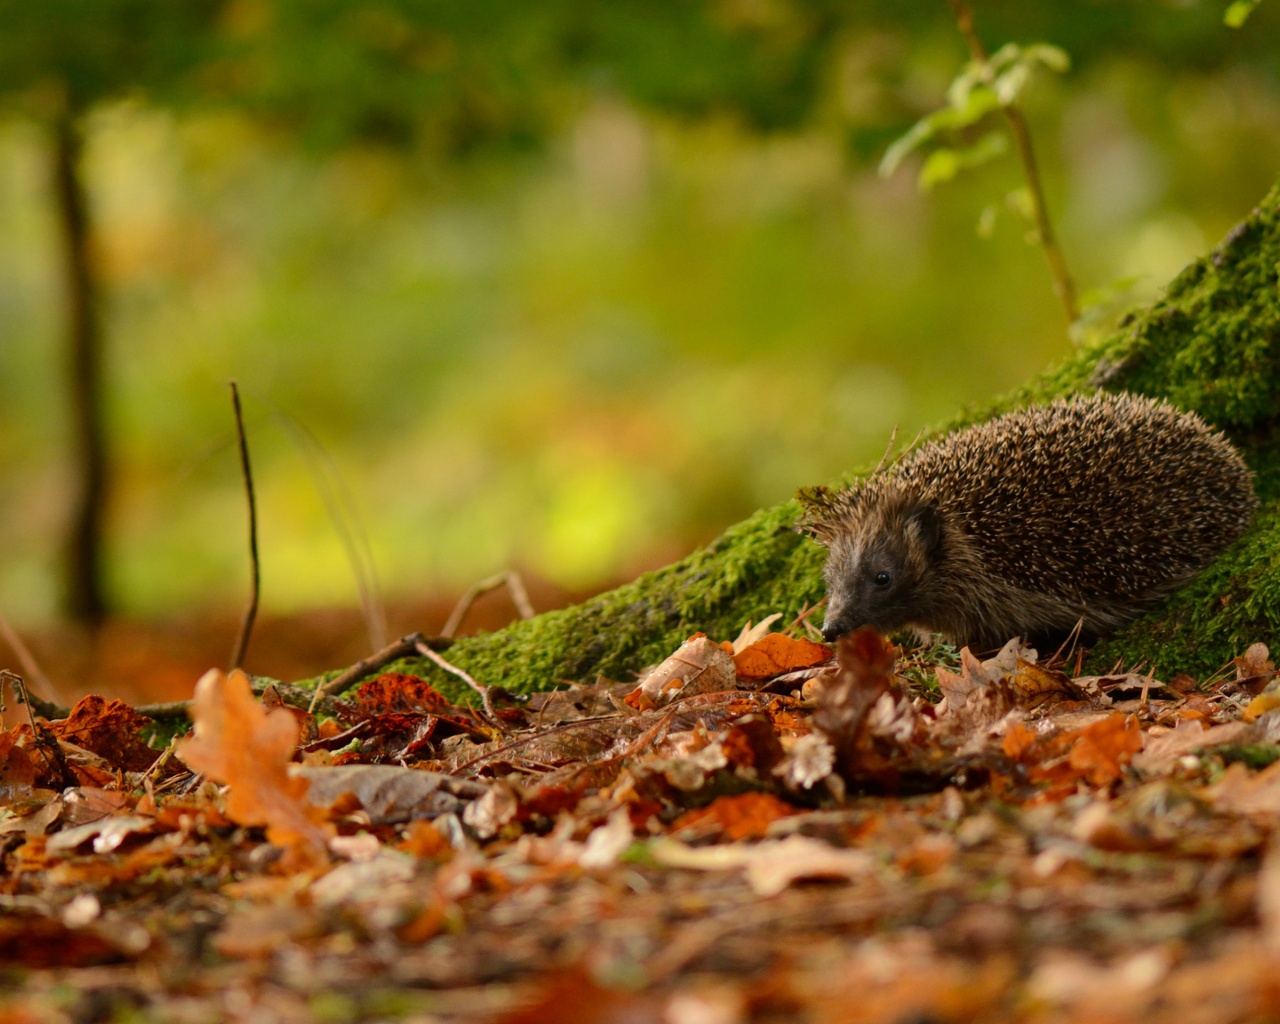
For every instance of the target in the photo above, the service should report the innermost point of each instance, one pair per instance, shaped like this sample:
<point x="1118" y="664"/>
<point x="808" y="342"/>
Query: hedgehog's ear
<point x="924" y="522"/>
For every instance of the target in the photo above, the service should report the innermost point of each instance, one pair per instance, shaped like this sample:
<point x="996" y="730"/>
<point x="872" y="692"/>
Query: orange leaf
<point x="1018" y="740"/>
<point x="777" y="653"/>
<point x="17" y="773"/>
<point x="241" y="744"/>
<point x="740" y="816"/>
<point x="109" y="728"/>
<point x="1102" y="749"/>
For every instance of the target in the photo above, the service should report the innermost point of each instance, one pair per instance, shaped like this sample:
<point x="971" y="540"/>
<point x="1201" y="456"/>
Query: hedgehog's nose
<point x="834" y="629"/>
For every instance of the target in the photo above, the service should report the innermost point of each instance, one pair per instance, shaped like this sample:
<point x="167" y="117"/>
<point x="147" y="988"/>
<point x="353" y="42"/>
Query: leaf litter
<point x="755" y="831"/>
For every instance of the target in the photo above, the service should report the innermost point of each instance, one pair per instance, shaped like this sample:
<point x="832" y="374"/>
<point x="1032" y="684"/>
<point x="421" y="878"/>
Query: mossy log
<point x="1212" y="344"/>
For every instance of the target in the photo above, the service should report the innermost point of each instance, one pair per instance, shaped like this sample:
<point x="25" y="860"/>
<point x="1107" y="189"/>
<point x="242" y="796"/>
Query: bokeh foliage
<point x="562" y="285"/>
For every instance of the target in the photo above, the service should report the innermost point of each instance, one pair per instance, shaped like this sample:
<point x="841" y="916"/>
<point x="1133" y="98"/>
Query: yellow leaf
<point x="1260" y="705"/>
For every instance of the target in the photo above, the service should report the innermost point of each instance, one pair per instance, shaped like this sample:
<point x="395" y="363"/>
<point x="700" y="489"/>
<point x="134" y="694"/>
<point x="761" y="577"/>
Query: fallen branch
<point x="295" y="696"/>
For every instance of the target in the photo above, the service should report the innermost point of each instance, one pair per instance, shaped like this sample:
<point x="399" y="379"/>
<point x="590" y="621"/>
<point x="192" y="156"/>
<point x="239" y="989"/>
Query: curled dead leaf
<point x="698" y="666"/>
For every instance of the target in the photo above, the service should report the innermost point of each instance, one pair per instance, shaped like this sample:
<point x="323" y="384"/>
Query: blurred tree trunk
<point x="82" y="592"/>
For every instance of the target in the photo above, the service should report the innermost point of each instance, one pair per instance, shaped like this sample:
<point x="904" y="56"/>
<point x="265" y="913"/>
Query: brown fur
<point x="1086" y="509"/>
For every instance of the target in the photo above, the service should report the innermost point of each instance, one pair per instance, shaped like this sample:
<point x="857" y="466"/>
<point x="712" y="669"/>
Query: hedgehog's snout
<point x="834" y="628"/>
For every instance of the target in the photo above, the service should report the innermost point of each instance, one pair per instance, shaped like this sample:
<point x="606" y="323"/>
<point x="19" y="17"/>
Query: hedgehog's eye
<point x="882" y="580"/>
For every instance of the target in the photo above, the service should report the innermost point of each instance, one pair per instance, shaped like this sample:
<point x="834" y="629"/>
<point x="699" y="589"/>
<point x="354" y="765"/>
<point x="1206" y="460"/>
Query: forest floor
<point x="757" y="831"/>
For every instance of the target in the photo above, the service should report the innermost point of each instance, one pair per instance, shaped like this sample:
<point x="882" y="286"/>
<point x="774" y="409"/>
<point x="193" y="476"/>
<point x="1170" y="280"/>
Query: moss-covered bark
<point x="1212" y="345"/>
<point x="758" y="567"/>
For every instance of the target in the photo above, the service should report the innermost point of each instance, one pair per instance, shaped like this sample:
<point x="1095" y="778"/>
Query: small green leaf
<point x="970" y="77"/>
<point x="944" y="164"/>
<point x="1015" y="72"/>
<point x="1238" y="12"/>
<point x="978" y="103"/>
<point x="1054" y="58"/>
<point x="915" y="136"/>
<point x="1005" y="57"/>
<point x="940" y="165"/>
<point x="1019" y="201"/>
<point x="1009" y="85"/>
<point x="986" y="226"/>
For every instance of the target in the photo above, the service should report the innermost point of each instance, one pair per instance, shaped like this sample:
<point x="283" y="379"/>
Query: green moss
<point x="1212" y="345"/>
<point x="1256" y="756"/>
<point x="758" y="567"/>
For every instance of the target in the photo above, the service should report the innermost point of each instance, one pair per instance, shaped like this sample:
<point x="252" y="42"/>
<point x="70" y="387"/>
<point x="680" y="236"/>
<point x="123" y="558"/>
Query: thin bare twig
<point x="46" y="742"/>
<point x="414" y="643"/>
<point x="341" y="507"/>
<point x="480" y="688"/>
<point x="1069" y="644"/>
<point x="510" y="579"/>
<point x="394" y="651"/>
<point x="158" y="764"/>
<point x="1062" y="280"/>
<point x="28" y="662"/>
<point x="296" y="696"/>
<point x="251" y="613"/>
<point x="802" y="620"/>
<point x="521" y="741"/>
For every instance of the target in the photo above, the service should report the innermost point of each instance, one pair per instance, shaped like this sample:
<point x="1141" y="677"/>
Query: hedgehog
<point x="1081" y="514"/>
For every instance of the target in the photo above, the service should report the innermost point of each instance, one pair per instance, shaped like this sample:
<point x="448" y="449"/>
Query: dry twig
<point x="480" y="688"/>
<point x="28" y="662"/>
<point x="246" y="626"/>
<point x="394" y="651"/>
<point x="46" y="742"/>
<point x="510" y="579"/>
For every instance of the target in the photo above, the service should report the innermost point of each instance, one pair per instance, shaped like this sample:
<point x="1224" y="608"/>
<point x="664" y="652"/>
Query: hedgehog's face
<point x="875" y="572"/>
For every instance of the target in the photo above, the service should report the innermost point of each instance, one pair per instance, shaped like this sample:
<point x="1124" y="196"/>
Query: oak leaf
<point x="239" y="743"/>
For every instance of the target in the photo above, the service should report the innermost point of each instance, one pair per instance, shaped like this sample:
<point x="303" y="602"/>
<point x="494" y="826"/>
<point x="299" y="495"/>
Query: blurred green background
<point x="562" y="287"/>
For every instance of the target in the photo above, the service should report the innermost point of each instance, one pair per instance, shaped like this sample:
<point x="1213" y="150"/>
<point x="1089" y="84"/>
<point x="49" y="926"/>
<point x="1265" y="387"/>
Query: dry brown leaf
<point x="1161" y="753"/>
<point x="1269" y="898"/>
<point x="1036" y="684"/>
<point x="750" y="634"/>
<point x="1255" y="663"/>
<point x="389" y="793"/>
<point x="866" y="671"/>
<point x="107" y="834"/>
<point x="1243" y="792"/>
<point x="241" y="744"/>
<point x="957" y="689"/>
<point x="17" y="773"/>
<point x="108" y="728"/>
<point x="699" y="665"/>
<point x="771" y="866"/>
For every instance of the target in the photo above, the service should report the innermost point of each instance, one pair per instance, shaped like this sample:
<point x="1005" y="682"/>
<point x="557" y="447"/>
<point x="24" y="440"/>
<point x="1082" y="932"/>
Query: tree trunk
<point x="1212" y="345"/>
<point x="83" y="598"/>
